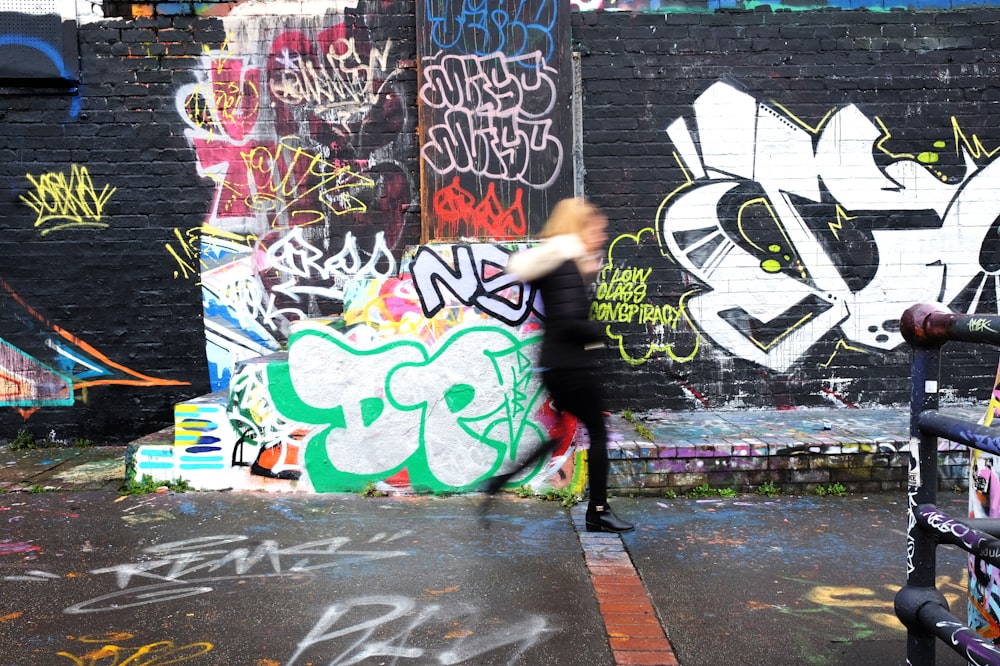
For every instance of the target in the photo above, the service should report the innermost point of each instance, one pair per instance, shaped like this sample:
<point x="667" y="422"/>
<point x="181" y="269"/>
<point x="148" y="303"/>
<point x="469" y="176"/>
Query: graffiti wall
<point x="96" y="342"/>
<point x="780" y="187"/>
<point x="305" y="130"/>
<point x="764" y="233"/>
<point x="708" y="6"/>
<point x="425" y="383"/>
<point x="771" y="232"/>
<point x="496" y="116"/>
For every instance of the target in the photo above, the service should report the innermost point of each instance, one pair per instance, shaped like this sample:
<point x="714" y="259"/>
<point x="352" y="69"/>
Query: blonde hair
<point x="570" y="216"/>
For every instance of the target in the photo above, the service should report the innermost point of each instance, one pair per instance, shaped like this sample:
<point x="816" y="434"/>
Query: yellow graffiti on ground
<point x="875" y="605"/>
<point x="63" y="203"/>
<point x="158" y="653"/>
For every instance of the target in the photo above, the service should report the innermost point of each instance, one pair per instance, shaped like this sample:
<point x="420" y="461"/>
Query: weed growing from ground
<point x="147" y="485"/>
<point x="371" y="490"/>
<point x="23" y="440"/>
<point x="644" y="432"/>
<point x="768" y="489"/>
<point x="641" y="429"/>
<point x="564" y="496"/>
<point x="705" y="490"/>
<point x="27" y="440"/>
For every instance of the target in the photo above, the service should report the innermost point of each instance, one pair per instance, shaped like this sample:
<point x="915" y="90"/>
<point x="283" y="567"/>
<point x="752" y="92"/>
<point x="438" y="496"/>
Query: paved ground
<point x="62" y="468"/>
<point x="789" y="580"/>
<point x="93" y="578"/>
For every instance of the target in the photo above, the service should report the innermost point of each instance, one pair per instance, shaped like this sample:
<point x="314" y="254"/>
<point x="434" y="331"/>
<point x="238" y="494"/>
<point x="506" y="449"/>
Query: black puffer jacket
<point x="570" y="338"/>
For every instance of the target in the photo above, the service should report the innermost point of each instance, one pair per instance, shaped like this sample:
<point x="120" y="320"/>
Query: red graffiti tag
<point x="459" y="215"/>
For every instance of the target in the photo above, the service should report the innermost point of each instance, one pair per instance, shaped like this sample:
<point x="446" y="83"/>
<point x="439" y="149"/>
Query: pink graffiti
<point x="17" y="548"/>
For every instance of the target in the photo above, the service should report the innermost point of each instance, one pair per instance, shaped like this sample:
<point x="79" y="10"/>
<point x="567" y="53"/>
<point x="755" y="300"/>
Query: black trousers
<point x="579" y="392"/>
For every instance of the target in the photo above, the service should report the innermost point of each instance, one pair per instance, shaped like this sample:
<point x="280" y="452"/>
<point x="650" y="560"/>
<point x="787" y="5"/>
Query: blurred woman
<point x="561" y="267"/>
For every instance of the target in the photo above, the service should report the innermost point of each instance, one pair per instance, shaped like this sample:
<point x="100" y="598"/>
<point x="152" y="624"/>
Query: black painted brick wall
<point x="913" y="71"/>
<point x="114" y="288"/>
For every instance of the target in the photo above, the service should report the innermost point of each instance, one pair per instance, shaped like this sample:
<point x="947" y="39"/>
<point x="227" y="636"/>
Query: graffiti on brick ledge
<point x="784" y="235"/>
<point x="440" y="403"/>
<point x="440" y="417"/>
<point x="477" y="419"/>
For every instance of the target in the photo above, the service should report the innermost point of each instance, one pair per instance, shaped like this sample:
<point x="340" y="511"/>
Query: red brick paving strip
<point x="634" y="631"/>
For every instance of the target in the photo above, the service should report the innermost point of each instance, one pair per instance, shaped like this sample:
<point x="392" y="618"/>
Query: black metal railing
<point x="919" y="605"/>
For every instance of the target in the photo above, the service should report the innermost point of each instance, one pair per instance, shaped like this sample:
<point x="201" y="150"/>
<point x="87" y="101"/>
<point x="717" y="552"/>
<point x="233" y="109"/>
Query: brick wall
<point x="785" y="289"/>
<point x="100" y="302"/>
<point x="841" y="159"/>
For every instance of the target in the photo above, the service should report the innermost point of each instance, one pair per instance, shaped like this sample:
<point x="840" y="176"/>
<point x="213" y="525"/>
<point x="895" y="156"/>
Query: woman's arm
<point x="540" y="260"/>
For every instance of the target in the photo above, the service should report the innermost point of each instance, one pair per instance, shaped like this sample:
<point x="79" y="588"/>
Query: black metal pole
<point x="921" y="555"/>
<point x="919" y="605"/>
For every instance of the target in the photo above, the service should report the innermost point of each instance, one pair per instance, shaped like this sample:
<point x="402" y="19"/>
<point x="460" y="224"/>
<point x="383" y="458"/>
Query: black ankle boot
<point x="600" y="518"/>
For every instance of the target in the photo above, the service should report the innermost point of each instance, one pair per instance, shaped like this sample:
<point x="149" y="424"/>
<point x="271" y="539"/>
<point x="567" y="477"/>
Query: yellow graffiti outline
<point x="777" y="223"/>
<point x="260" y="160"/>
<point x="186" y="263"/>
<point x="863" y="600"/>
<point x="974" y="146"/>
<point x="838" y="224"/>
<point x="146" y="655"/>
<point x="841" y="344"/>
<point x="770" y="211"/>
<point x="681" y="309"/>
<point x="814" y="130"/>
<point x="766" y="346"/>
<point x="80" y="205"/>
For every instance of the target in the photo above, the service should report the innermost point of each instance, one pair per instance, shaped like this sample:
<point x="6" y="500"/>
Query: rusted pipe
<point x="932" y="325"/>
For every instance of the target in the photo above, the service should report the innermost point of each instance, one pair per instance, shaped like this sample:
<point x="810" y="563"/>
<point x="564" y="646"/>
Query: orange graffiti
<point x="139" y="379"/>
<point x="159" y="653"/>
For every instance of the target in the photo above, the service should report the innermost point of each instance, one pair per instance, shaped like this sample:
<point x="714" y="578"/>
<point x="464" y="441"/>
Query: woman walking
<point x="560" y="268"/>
